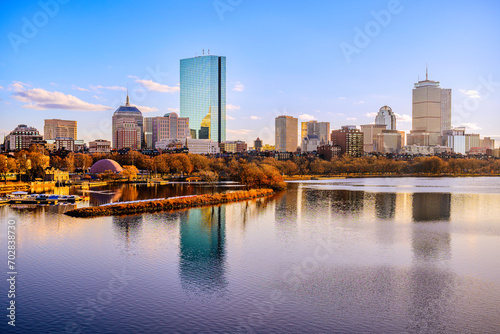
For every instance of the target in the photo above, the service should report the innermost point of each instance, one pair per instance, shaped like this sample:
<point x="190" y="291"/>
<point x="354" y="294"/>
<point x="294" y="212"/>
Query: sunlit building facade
<point x="386" y="117"/>
<point x="127" y="127"/>
<point x="203" y="96"/>
<point x="286" y="132"/>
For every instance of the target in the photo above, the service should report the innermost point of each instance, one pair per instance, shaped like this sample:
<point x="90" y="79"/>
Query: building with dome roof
<point x="106" y="165"/>
<point x="127" y="127"/>
<point x="169" y="126"/>
<point x="386" y="117"/>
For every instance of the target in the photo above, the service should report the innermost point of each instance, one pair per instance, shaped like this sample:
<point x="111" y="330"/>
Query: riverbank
<point x="361" y="176"/>
<point x="168" y="204"/>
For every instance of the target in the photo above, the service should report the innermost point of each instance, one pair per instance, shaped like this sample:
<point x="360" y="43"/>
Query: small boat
<point x="46" y="199"/>
<point x="70" y="198"/>
<point x="4" y="200"/>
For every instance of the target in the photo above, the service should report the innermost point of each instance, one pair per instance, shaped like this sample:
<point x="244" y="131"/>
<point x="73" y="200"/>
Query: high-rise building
<point x="22" y="137"/>
<point x="286" y="131"/>
<point x="257" y="144"/>
<point x="386" y="117"/>
<point x="349" y="139"/>
<point x="487" y="142"/>
<point x="123" y="120"/>
<point x="389" y="141"/>
<point x="127" y="133"/>
<point x="55" y="128"/>
<point x="431" y="113"/>
<point x="169" y="126"/>
<point x="203" y="96"/>
<point x="320" y="129"/>
<point x="370" y="133"/>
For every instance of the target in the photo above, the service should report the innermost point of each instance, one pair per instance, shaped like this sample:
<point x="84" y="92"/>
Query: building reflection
<point x="202" y="251"/>
<point x="346" y="201"/>
<point x="287" y="204"/>
<point x="431" y="206"/>
<point x="432" y="291"/>
<point x="127" y="228"/>
<point x="385" y="205"/>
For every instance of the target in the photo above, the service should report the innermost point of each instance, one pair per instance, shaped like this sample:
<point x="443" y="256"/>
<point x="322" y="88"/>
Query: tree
<point x="4" y="167"/>
<point x="82" y="161"/>
<point x="210" y="177"/>
<point x="130" y="172"/>
<point x="69" y="162"/>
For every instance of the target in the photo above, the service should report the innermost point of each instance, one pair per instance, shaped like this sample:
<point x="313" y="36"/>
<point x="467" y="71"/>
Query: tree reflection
<point x="385" y="205"/>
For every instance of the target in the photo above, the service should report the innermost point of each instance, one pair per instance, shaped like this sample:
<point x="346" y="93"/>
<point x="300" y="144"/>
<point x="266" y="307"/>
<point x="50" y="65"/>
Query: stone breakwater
<point x="168" y="203"/>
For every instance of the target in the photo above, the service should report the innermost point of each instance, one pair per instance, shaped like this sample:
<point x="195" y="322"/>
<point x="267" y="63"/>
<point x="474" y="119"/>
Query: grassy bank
<point x="168" y="204"/>
<point x="373" y="175"/>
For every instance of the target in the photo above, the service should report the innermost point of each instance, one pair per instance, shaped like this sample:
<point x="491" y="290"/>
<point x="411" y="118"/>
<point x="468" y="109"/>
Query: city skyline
<point x="311" y="77"/>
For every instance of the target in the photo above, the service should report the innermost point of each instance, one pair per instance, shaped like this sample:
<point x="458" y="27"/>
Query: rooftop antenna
<point x="209" y="52"/>
<point x="426" y="73"/>
<point x="128" y="101"/>
<point x="203" y="51"/>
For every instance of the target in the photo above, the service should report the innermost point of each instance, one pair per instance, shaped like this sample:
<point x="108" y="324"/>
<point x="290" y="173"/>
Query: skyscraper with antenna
<point x="431" y="112"/>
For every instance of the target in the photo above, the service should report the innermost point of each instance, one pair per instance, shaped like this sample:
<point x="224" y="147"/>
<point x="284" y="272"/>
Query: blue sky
<point x="283" y="57"/>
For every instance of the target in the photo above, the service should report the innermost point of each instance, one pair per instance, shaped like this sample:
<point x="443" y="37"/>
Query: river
<point x="375" y="255"/>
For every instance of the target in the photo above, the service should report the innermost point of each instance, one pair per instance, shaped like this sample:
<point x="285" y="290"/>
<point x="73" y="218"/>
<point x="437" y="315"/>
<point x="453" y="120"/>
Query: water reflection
<point x="202" y="251"/>
<point x="432" y="293"/>
<point x="431" y="206"/>
<point x="385" y="205"/>
<point x="128" y="228"/>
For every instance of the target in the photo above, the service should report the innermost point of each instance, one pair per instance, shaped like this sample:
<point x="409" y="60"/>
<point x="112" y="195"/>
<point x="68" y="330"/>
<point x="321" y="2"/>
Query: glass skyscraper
<point x="203" y="96"/>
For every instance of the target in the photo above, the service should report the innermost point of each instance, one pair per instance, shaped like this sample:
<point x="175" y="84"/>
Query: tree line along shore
<point x="253" y="171"/>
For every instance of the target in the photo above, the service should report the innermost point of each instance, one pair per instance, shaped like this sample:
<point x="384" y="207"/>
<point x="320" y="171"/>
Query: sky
<point x="333" y="61"/>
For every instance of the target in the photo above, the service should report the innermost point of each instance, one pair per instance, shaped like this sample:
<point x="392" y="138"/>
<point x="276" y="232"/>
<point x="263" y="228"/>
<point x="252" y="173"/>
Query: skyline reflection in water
<point x="394" y="262"/>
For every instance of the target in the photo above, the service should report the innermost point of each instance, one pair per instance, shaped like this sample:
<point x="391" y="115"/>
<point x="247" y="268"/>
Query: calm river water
<point x="380" y="255"/>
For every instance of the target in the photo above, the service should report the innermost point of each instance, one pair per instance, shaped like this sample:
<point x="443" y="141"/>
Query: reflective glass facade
<point x="203" y="96"/>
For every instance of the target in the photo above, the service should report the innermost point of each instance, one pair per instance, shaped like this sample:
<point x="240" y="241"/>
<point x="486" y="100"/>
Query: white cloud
<point x="107" y="87"/>
<point x="240" y="132"/>
<point x="239" y="87"/>
<point x="99" y="98"/>
<point x="473" y="94"/>
<point x="1" y="87"/>
<point x="229" y="117"/>
<point x="351" y="119"/>
<point x="80" y="88"/>
<point x="132" y="76"/>
<point x="40" y="99"/>
<point x="173" y="109"/>
<point x="18" y="86"/>
<point x="157" y="87"/>
<point x="232" y="107"/>
<point x="342" y="98"/>
<point x="306" y="117"/>
<point x="359" y="102"/>
<point x="147" y="109"/>
<point x="403" y="118"/>
<point x="470" y="126"/>
<point x="255" y="117"/>
<point x="371" y="114"/>
<point x="53" y="84"/>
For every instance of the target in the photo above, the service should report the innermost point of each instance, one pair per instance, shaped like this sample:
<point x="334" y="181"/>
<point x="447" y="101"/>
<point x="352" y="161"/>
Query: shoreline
<point x="167" y="204"/>
<point x="366" y="176"/>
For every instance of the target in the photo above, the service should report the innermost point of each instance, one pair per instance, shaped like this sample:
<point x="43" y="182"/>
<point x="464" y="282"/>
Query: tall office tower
<point x="170" y="126"/>
<point x="315" y="128"/>
<point x="431" y="113"/>
<point x="55" y="128"/>
<point x="349" y="139"/>
<point x="203" y="96"/>
<point x="286" y="131"/>
<point x="123" y="118"/>
<point x="387" y="117"/>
